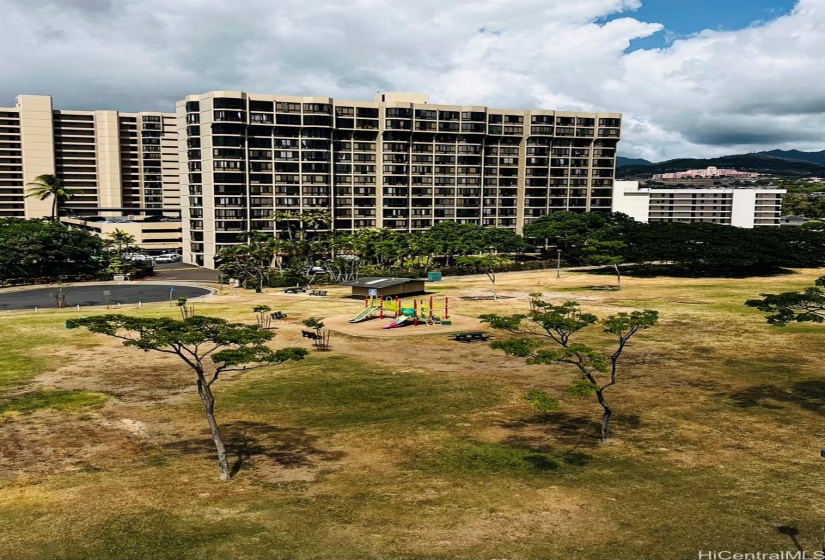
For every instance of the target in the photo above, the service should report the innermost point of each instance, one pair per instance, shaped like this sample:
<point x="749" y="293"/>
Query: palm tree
<point x="45" y="186"/>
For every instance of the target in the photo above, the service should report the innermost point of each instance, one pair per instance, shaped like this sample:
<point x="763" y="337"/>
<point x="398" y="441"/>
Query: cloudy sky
<point x="693" y="77"/>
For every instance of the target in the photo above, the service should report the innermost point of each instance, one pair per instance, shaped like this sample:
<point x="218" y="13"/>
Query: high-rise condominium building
<point x="123" y="162"/>
<point x="397" y="162"/>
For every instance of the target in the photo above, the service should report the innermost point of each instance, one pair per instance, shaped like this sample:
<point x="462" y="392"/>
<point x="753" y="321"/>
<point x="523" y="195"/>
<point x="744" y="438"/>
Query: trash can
<point x="434" y="276"/>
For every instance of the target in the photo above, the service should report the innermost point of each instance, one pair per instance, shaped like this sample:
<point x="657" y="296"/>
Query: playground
<point x="407" y="442"/>
<point x="398" y="317"/>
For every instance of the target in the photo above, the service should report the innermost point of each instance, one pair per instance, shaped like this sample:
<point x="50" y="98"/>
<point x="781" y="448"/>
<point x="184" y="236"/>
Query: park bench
<point x="278" y="315"/>
<point x="310" y="334"/>
<point x="318" y="293"/>
<point x="471" y="336"/>
<point x="295" y="290"/>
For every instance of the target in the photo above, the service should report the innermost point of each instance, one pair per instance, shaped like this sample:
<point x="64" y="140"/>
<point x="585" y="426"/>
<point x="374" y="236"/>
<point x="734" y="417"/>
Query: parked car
<point x="167" y="258"/>
<point x="136" y="257"/>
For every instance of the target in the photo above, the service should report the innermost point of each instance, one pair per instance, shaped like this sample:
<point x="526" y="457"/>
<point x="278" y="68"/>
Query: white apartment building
<point x="123" y="162"/>
<point x="396" y="162"/>
<point x="739" y="207"/>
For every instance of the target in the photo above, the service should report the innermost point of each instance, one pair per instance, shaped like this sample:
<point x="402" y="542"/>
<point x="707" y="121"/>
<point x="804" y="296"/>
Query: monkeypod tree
<point x="557" y="325"/>
<point x="793" y="307"/>
<point x="208" y="345"/>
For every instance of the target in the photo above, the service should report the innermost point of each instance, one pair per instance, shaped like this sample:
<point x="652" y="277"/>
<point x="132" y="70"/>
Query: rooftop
<point x="378" y="282"/>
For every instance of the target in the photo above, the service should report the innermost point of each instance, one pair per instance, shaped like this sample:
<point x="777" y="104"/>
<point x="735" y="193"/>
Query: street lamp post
<point x="558" y="263"/>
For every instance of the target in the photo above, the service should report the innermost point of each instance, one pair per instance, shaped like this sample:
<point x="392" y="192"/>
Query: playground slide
<point x="399" y="322"/>
<point x="364" y="315"/>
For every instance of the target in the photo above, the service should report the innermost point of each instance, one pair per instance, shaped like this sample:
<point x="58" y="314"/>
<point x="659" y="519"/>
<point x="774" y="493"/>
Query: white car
<point x="167" y="258"/>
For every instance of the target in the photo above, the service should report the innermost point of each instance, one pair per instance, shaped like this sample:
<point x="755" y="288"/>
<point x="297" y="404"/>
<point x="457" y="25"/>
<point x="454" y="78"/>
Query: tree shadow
<point x="577" y="430"/>
<point x="541" y="450"/>
<point x="792" y="533"/>
<point x="565" y="427"/>
<point x="248" y="441"/>
<point x="603" y="288"/>
<point x="809" y="394"/>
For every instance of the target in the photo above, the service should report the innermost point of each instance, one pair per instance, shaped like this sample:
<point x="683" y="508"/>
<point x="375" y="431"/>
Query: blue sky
<point x="683" y="18"/>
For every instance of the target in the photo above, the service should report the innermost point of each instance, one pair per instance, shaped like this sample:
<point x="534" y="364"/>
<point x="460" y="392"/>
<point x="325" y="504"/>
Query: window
<point x="228" y="103"/>
<point x="399" y="113"/>
<point x="255" y="105"/>
<point x="283" y="107"/>
<point x="221" y="165"/>
<point x="473" y="116"/>
<point x="324" y="108"/>
<point x="424" y="114"/>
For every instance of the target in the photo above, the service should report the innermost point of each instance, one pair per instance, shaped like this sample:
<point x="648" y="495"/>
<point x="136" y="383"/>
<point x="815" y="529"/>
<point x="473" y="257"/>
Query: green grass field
<point x="420" y="447"/>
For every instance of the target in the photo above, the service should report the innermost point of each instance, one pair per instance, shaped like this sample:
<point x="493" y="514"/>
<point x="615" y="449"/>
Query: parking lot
<point x="97" y="294"/>
<point x="184" y="272"/>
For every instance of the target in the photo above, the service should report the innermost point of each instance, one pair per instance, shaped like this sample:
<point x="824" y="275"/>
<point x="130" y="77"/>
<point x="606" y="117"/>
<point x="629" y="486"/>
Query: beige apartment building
<point x="738" y="207"/>
<point x="396" y="162"/>
<point x="123" y="162"/>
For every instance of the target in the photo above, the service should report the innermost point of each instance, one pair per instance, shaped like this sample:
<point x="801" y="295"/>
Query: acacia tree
<point x="228" y="346"/>
<point x="558" y="324"/>
<point x="789" y="307"/>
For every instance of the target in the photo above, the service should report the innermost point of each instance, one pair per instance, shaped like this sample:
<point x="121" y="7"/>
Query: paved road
<point x="86" y="295"/>
<point x="184" y="272"/>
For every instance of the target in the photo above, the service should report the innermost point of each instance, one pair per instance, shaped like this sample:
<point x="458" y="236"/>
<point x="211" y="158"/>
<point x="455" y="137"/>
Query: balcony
<point x="230" y="116"/>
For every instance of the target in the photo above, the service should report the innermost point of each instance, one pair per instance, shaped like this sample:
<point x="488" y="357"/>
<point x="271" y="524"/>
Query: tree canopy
<point x="40" y="249"/>
<point x="793" y="307"/>
<point x="559" y="325"/>
<point x="228" y="346"/>
<point x="572" y="231"/>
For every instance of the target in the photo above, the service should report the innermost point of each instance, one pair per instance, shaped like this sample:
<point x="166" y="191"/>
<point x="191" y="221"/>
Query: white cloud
<point x="709" y="94"/>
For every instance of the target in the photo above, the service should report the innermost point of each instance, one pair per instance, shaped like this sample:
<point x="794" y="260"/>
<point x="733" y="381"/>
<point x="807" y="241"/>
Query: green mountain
<point x="756" y="163"/>
<point x="625" y="161"/>
<point x="796" y="155"/>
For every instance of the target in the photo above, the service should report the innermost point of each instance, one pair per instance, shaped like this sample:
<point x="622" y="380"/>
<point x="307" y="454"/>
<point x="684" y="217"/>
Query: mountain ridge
<point x="753" y="162"/>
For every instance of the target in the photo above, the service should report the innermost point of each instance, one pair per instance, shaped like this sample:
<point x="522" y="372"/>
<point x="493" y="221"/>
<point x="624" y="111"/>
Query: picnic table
<point x="295" y="290"/>
<point x="471" y="336"/>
